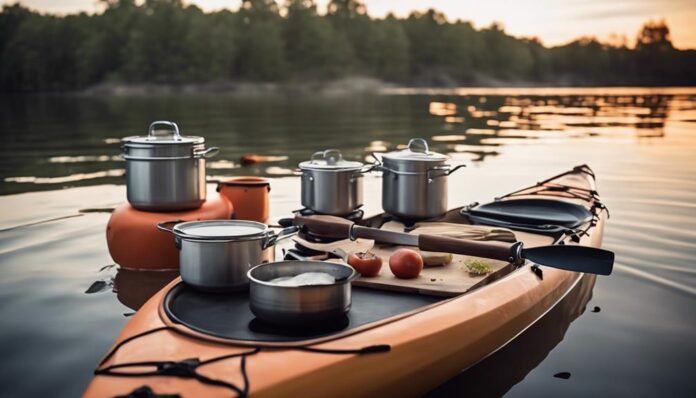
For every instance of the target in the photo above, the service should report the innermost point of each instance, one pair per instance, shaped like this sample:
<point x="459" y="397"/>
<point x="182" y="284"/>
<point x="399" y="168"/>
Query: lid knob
<point x="172" y="132"/>
<point x="419" y="145"/>
<point x="330" y="156"/>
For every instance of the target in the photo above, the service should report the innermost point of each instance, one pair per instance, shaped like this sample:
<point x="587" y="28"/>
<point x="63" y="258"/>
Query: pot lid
<point x="220" y="229"/>
<point x="417" y="151"/>
<point x="168" y="136"/>
<point x="330" y="159"/>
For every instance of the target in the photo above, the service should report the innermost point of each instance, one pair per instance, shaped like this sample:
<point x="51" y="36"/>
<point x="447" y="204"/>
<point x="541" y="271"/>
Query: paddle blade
<point x="573" y="258"/>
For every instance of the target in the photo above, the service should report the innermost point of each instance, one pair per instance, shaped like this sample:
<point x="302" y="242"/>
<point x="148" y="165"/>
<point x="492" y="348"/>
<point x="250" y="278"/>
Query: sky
<point x="554" y="22"/>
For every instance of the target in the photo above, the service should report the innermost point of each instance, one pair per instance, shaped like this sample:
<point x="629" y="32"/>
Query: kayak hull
<point x="427" y="347"/>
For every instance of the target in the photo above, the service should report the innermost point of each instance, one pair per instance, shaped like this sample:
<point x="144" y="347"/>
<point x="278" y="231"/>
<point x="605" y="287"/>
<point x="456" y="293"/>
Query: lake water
<point x="638" y="341"/>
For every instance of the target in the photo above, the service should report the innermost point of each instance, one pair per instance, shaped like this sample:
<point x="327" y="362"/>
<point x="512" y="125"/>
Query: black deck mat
<point x="227" y="315"/>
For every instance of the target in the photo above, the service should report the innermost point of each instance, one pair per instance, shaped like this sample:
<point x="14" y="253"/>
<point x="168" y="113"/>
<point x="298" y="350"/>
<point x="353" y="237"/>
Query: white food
<point x="305" y="279"/>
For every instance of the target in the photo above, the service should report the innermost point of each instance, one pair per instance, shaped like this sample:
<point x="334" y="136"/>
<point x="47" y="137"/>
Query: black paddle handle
<point x="493" y="250"/>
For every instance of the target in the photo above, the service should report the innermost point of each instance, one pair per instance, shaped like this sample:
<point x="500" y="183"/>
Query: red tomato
<point x="406" y="263"/>
<point x="367" y="264"/>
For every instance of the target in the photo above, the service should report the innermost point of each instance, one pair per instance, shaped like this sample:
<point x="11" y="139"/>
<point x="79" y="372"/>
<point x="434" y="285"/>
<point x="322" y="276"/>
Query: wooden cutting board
<point x="448" y="280"/>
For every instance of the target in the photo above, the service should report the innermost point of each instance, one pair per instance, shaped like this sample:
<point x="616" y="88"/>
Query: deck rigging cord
<point x="187" y="368"/>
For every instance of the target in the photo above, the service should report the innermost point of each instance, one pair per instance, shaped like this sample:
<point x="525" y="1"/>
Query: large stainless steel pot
<point x="290" y="305"/>
<point x="332" y="185"/>
<point x="414" y="181"/>
<point x="165" y="171"/>
<point x="216" y="255"/>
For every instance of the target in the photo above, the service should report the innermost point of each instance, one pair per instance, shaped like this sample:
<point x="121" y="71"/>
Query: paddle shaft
<point x="337" y="228"/>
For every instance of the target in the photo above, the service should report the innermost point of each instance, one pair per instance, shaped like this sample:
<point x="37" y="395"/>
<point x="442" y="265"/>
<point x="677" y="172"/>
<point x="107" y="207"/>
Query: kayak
<point x="424" y="340"/>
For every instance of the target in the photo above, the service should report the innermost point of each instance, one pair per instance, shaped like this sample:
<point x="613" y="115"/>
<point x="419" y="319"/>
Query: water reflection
<point x="514" y="120"/>
<point x="495" y="375"/>
<point x="134" y="287"/>
<point x="80" y="144"/>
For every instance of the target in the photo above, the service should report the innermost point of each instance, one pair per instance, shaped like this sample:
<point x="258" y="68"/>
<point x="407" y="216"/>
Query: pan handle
<point x="272" y="238"/>
<point x="208" y="153"/>
<point x="455" y="168"/>
<point x="162" y="226"/>
<point x="445" y="171"/>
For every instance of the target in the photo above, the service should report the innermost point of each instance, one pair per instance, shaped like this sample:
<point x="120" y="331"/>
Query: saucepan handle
<point x="273" y="238"/>
<point x="444" y="171"/>
<point x="208" y="153"/>
<point x="455" y="168"/>
<point x="163" y="226"/>
<point x="377" y="165"/>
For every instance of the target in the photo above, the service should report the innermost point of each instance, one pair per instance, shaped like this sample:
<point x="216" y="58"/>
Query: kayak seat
<point x="530" y="214"/>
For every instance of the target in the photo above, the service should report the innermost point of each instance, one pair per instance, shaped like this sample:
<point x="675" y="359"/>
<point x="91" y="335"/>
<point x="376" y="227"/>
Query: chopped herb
<point x="478" y="267"/>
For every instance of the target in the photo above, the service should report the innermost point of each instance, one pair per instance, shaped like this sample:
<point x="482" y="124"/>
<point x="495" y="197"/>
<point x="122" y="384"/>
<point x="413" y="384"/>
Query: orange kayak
<point x="404" y="354"/>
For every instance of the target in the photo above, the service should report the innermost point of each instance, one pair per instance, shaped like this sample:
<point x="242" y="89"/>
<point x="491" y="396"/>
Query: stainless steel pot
<point x="332" y="185"/>
<point x="289" y="305"/>
<point x="165" y="171"/>
<point x="216" y="255"/>
<point x="414" y="181"/>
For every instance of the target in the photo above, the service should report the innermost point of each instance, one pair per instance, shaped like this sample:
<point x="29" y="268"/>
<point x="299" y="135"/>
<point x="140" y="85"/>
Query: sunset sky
<point x="553" y="21"/>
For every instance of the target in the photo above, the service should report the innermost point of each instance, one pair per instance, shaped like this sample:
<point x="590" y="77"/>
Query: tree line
<point x="167" y="42"/>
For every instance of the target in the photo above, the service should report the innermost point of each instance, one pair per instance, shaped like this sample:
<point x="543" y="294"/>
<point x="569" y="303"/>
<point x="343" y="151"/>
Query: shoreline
<point x="356" y="85"/>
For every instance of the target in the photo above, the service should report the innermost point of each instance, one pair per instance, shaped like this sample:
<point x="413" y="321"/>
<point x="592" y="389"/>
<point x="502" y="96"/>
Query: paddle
<point x="569" y="257"/>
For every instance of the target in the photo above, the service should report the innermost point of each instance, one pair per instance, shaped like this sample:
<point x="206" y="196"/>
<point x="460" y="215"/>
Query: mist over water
<point x="640" y="143"/>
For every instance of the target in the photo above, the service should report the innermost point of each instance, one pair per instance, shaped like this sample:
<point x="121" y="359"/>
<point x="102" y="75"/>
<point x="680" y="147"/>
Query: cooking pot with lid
<point x="215" y="255"/>
<point x="165" y="171"/>
<point x="414" y="181"/>
<point x="332" y="185"/>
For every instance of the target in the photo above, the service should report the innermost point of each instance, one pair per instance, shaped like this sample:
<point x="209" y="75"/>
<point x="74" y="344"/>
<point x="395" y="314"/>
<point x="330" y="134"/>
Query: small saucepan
<point x="304" y="304"/>
<point x="215" y="255"/>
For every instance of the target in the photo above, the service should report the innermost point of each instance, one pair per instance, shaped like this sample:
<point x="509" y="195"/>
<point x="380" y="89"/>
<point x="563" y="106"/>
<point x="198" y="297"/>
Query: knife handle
<point x="493" y="250"/>
<point x="325" y="226"/>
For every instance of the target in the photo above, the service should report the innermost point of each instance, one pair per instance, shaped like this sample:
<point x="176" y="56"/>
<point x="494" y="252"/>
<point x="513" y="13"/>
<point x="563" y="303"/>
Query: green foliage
<point x="166" y="41"/>
<point x="314" y="49"/>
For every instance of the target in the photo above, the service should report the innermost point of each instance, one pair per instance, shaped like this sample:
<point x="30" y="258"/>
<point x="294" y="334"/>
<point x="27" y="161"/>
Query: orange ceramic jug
<point x="249" y="196"/>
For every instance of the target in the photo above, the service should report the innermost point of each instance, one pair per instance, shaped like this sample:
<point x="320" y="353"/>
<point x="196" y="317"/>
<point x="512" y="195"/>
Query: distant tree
<point x="654" y="36"/>
<point x="261" y="52"/>
<point x="156" y="50"/>
<point x="349" y="18"/>
<point x="41" y="54"/>
<point x="103" y="52"/>
<point x="168" y="41"/>
<point x="313" y="47"/>
<point x="428" y="46"/>
<point x="391" y="61"/>
<point x="655" y="57"/>
<point x="212" y="45"/>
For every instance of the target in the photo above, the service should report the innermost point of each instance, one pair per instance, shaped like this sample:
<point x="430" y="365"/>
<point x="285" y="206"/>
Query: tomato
<point x="367" y="264"/>
<point x="406" y="263"/>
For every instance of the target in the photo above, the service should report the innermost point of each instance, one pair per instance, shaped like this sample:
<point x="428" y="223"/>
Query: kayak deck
<point x="426" y="347"/>
<point x="228" y="317"/>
